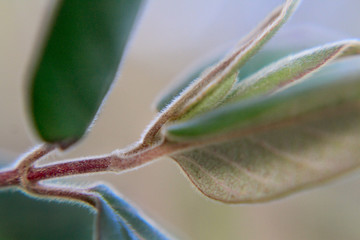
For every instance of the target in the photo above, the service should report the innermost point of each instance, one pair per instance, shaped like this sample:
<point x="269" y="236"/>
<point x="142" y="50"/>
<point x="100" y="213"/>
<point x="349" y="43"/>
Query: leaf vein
<point x="217" y="181"/>
<point x="239" y="167"/>
<point x="282" y="154"/>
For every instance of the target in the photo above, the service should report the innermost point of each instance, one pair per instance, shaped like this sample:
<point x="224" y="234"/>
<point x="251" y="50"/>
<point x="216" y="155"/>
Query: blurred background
<point x="170" y="37"/>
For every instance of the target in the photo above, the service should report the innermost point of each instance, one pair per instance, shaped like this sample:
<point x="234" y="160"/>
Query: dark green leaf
<point x="78" y="64"/>
<point x="23" y="217"/>
<point x="132" y="219"/>
<point x="111" y="226"/>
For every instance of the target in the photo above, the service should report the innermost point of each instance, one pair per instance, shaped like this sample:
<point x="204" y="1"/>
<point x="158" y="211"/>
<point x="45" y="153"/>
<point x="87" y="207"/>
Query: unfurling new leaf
<point x="271" y="80"/>
<point x="215" y="76"/>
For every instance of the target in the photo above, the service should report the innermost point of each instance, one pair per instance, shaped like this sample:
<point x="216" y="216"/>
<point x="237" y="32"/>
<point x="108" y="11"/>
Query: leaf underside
<point x="291" y="124"/>
<point x="269" y="164"/>
<point x="77" y="65"/>
<point x="283" y="142"/>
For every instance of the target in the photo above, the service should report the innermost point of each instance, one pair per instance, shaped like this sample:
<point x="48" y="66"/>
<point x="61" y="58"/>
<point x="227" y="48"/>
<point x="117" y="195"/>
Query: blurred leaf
<point x="77" y="65"/>
<point x="111" y="226"/>
<point x="22" y="217"/>
<point x="213" y="77"/>
<point x="118" y="218"/>
<point x="264" y="147"/>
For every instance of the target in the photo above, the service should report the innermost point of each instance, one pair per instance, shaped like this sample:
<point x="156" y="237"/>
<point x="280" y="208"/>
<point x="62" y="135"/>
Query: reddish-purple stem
<point x="69" y="168"/>
<point x="9" y="178"/>
<point x="92" y="165"/>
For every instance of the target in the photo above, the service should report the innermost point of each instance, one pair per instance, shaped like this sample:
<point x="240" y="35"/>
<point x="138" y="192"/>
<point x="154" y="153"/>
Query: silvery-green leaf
<point x="286" y="42"/>
<point x="287" y="72"/>
<point x="265" y="147"/>
<point x="292" y="69"/>
<point x="214" y="76"/>
<point x="181" y="84"/>
<point x="211" y="100"/>
<point x="257" y="62"/>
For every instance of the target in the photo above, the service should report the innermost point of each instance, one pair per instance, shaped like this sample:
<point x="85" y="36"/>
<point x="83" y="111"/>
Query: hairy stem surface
<point x="114" y="162"/>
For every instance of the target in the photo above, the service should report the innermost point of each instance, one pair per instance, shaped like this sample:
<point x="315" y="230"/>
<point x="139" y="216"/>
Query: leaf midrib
<point x="233" y="134"/>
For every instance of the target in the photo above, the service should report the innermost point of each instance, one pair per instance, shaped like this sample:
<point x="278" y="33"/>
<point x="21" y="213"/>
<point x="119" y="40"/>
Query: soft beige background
<point x="170" y="36"/>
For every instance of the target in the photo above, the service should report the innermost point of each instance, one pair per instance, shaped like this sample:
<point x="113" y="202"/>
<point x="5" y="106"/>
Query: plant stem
<point x="111" y="163"/>
<point x="9" y="178"/>
<point x="29" y="160"/>
<point x="64" y="169"/>
<point x="36" y="155"/>
<point x="13" y="177"/>
<point x="82" y="195"/>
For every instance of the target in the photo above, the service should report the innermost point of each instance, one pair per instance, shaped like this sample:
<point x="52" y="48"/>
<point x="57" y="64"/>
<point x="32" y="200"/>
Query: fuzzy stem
<point x="15" y="176"/>
<point x="64" y="169"/>
<point x="9" y="178"/>
<point x="66" y="193"/>
<point x="28" y="161"/>
<point x="112" y="163"/>
<point x="35" y="155"/>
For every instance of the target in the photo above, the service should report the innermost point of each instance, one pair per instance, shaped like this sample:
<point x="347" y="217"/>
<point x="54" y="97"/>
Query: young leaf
<point x="257" y="62"/>
<point x="77" y="65"/>
<point x="293" y="69"/>
<point x="287" y="42"/>
<point x="211" y="100"/>
<point x="216" y="75"/>
<point x="129" y="216"/>
<point x="278" y="76"/>
<point x="272" y="145"/>
<point x="181" y="85"/>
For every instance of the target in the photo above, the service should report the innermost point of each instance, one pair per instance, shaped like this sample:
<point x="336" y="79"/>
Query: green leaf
<point x="77" y="65"/>
<point x="270" y="80"/>
<point x="292" y="70"/>
<point x="181" y="85"/>
<point x="24" y="217"/>
<point x="211" y="100"/>
<point x="123" y="216"/>
<point x="214" y="77"/>
<point x="111" y="226"/>
<point x="285" y="43"/>
<point x="278" y="143"/>
<point x="257" y="62"/>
